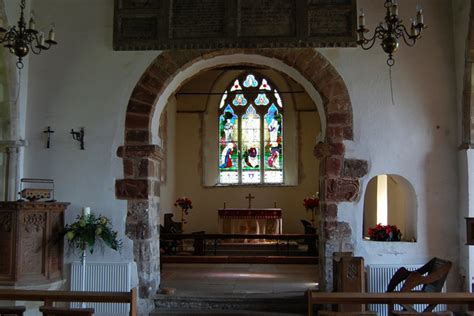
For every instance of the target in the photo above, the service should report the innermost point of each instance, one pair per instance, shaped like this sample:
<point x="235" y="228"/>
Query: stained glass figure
<point x="224" y="97"/>
<point x="277" y="96"/>
<point x="250" y="81"/>
<point x="228" y="146"/>
<point x="265" y="85"/>
<point x="236" y="86"/>
<point x="250" y="146"/>
<point x="273" y="145"/>
<point x="240" y="100"/>
<point x="261" y="99"/>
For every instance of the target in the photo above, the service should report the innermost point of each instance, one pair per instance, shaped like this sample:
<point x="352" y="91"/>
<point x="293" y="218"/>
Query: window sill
<point x="252" y="185"/>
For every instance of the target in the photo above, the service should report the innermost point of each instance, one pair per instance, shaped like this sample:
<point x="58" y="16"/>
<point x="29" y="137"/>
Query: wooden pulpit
<point x="31" y="248"/>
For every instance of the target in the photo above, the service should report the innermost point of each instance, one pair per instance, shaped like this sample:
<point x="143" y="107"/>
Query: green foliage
<point x="88" y="231"/>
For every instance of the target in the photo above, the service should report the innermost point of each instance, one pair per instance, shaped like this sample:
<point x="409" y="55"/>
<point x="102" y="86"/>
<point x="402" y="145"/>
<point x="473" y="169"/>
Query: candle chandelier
<point x="391" y="30"/>
<point x="20" y="39"/>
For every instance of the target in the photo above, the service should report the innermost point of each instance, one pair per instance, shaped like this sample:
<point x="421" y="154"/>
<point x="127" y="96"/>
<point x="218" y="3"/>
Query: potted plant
<point x="385" y="233"/>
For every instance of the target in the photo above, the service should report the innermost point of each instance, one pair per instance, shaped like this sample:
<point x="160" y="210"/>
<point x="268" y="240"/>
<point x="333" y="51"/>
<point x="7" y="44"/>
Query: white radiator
<point x="378" y="277"/>
<point x="103" y="277"/>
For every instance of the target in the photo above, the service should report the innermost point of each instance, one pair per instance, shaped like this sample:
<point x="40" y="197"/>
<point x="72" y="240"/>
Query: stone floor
<point x="235" y="289"/>
<point x="239" y="279"/>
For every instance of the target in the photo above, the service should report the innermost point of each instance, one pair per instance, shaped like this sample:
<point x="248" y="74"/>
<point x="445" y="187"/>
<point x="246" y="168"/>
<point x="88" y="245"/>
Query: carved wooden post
<point x="141" y="188"/>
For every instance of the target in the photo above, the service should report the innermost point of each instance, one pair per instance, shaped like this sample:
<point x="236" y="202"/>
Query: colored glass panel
<point x="277" y="96"/>
<point x="224" y="97"/>
<point x="236" y="86"/>
<point x="228" y="144"/>
<point x="228" y="177"/>
<point x="240" y="100"/>
<point x="273" y="159"/>
<point x="250" y="146"/>
<point x="265" y="85"/>
<point x="261" y="99"/>
<point x="250" y="81"/>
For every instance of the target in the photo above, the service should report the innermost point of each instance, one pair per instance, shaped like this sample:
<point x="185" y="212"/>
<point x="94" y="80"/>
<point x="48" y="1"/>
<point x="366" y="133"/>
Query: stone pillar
<point x="141" y="188"/>
<point x="339" y="182"/>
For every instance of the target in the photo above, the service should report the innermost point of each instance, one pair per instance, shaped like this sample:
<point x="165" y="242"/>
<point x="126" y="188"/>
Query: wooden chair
<point x="12" y="310"/>
<point x="406" y="313"/>
<point x="431" y="276"/>
<point x="60" y="311"/>
<point x="328" y="313"/>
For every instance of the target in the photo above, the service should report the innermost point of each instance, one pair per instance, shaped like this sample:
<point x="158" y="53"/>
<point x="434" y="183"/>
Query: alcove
<point x="390" y="200"/>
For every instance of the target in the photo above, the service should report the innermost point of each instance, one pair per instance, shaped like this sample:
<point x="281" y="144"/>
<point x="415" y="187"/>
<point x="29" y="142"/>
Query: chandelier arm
<point x="407" y="38"/>
<point x="35" y="49"/>
<point x="366" y="43"/>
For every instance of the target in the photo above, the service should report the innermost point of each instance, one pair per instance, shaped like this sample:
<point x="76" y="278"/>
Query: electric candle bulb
<point x="419" y="14"/>
<point x="361" y="18"/>
<point x="413" y="30"/>
<point x="42" y="39"/>
<point x="86" y="211"/>
<point x="32" y="24"/>
<point x="52" y="33"/>
<point x="394" y="8"/>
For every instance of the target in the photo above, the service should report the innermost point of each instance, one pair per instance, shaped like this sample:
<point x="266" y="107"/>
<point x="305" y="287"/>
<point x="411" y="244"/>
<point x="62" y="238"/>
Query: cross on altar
<point x="250" y="197"/>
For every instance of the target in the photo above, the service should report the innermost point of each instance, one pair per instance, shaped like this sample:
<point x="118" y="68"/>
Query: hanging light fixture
<point x="20" y="40"/>
<point x="391" y="30"/>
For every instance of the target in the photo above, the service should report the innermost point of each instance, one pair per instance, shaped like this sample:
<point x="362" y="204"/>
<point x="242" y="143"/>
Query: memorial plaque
<point x="190" y="24"/>
<point x="329" y="20"/>
<point x="138" y="4"/>
<point x="139" y="28"/>
<point x="197" y="19"/>
<point x="267" y="18"/>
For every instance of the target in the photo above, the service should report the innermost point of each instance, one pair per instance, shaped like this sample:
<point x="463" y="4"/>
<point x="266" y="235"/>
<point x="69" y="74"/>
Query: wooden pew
<point x="12" y="310"/>
<point x="49" y="297"/>
<point x="392" y="298"/>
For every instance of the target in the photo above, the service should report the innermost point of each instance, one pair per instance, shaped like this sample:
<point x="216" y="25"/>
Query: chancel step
<point x="241" y="259"/>
<point x="244" y="305"/>
<point x="256" y="249"/>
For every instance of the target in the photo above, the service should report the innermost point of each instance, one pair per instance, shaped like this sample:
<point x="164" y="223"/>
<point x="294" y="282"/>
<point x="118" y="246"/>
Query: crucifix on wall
<point x="250" y="197"/>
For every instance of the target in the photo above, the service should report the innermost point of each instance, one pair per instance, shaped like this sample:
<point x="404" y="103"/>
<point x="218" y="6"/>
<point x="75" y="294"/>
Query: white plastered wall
<point x="83" y="82"/>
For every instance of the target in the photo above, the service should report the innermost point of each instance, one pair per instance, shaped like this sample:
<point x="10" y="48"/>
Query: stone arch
<point x="141" y="156"/>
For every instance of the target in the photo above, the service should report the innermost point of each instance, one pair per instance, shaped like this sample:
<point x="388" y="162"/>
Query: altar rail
<point x="390" y="299"/>
<point x="282" y="248"/>
<point x="49" y="297"/>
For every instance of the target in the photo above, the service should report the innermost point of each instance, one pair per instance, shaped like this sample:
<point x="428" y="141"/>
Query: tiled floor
<point x="239" y="279"/>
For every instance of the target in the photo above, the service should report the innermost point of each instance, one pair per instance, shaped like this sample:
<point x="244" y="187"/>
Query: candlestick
<point x="86" y="211"/>
<point x="394" y="9"/>
<point x="361" y="18"/>
<point x="32" y="24"/>
<point x="52" y="33"/>
<point x="419" y="14"/>
<point x="42" y="40"/>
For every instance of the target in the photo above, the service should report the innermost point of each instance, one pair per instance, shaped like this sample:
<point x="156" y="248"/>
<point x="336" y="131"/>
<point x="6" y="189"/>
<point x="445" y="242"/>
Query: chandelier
<point x="391" y="30"/>
<point x="20" y="40"/>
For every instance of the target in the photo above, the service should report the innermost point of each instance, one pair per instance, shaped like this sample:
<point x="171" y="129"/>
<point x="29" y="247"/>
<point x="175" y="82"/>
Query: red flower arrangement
<point x="385" y="233"/>
<point x="311" y="203"/>
<point x="184" y="203"/>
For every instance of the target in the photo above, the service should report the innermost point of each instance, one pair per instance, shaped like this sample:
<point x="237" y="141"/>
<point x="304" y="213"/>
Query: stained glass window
<point x="251" y="132"/>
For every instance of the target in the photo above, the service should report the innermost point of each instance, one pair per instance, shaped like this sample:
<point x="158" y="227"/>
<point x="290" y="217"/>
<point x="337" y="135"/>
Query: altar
<point x="250" y="221"/>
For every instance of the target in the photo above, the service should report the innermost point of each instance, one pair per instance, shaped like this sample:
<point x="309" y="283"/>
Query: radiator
<point x="103" y="277"/>
<point x="378" y="277"/>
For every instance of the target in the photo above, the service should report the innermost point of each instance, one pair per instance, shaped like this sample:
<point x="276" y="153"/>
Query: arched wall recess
<point x="391" y="200"/>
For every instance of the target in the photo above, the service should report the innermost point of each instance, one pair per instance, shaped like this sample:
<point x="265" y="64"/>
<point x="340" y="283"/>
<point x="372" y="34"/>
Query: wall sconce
<point x="79" y="136"/>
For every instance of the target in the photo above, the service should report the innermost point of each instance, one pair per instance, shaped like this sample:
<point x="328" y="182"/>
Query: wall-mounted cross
<point x="250" y="197"/>
<point x="49" y="131"/>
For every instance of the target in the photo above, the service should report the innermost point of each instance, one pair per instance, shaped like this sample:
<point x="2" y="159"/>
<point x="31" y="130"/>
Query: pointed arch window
<point x="251" y="132"/>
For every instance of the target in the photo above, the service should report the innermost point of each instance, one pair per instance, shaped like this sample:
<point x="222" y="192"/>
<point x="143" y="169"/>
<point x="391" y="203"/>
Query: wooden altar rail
<point x="49" y="297"/>
<point x="392" y="298"/>
<point x="309" y="238"/>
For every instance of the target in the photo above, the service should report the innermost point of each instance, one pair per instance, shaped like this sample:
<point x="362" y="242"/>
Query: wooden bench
<point x="60" y="311"/>
<point x="390" y="299"/>
<point x="49" y="297"/>
<point x="12" y="310"/>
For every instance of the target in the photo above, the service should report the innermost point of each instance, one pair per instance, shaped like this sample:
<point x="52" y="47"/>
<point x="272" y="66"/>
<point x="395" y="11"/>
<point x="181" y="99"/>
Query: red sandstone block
<point x="137" y="136"/>
<point x="333" y="166"/>
<point x="341" y="118"/>
<point x="128" y="168"/>
<point x="131" y="189"/>
<point x="133" y="121"/>
<point x="341" y="190"/>
<point x="143" y="95"/>
<point x="138" y="107"/>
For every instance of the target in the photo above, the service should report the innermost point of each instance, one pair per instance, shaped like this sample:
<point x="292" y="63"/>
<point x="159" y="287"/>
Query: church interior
<point x="209" y="157"/>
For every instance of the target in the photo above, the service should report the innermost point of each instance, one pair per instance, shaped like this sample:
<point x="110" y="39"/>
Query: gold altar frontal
<point x="250" y="221"/>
